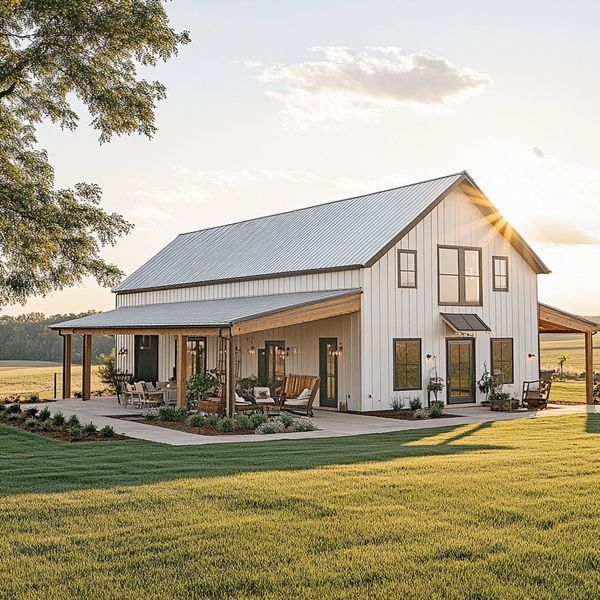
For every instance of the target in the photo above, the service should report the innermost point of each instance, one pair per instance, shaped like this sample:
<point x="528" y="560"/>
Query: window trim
<point x="494" y="288"/>
<point x="512" y="356"/>
<point x="461" y="275"/>
<point x="400" y="271"/>
<point x="407" y="389"/>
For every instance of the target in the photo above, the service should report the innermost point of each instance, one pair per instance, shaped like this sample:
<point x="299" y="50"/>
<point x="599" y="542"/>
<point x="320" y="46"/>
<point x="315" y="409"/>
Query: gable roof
<point x="344" y="234"/>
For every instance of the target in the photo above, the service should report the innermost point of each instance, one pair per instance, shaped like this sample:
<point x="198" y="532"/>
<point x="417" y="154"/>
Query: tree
<point x="562" y="359"/>
<point x="52" y="51"/>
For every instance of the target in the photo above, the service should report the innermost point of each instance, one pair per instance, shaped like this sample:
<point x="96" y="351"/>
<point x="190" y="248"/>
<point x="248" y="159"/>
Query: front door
<point x="274" y="364"/>
<point x="328" y="372"/>
<point x="460" y="370"/>
<point x="146" y="358"/>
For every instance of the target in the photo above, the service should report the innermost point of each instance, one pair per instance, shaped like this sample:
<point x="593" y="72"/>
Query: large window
<point x="407" y="269"/>
<point x="407" y="364"/>
<point x="459" y="275"/>
<point x="502" y="359"/>
<point x="500" y="273"/>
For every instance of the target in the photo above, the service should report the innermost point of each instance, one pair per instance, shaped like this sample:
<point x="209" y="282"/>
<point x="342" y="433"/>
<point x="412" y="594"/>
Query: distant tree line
<point x="28" y="337"/>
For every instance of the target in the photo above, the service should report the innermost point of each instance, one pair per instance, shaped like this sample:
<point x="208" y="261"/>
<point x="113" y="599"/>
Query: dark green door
<point x="460" y="370"/>
<point x="328" y="372"/>
<point x="146" y="358"/>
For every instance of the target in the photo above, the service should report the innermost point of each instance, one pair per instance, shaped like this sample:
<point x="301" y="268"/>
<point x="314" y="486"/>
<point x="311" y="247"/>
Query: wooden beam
<point x="87" y="367"/>
<point x="190" y="331"/>
<point x="589" y="368"/>
<point x="230" y="378"/>
<point x="557" y="321"/>
<point x="66" y="372"/>
<point x="181" y="369"/>
<point x="303" y="314"/>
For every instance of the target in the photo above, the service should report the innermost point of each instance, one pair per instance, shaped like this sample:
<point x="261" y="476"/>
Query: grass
<point x="571" y="346"/>
<point x="24" y="380"/>
<point x="502" y="510"/>
<point x="568" y="391"/>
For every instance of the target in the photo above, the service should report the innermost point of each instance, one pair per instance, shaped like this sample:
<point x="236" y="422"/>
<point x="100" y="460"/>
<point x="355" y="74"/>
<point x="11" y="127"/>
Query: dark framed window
<point x="500" y="273"/>
<point x="407" y="268"/>
<point x="459" y="276"/>
<point x="407" y="364"/>
<point x="502" y="358"/>
<point x="196" y="356"/>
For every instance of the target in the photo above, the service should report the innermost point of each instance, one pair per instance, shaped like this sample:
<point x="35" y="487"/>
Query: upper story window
<point x="459" y="275"/>
<point x="407" y="268"/>
<point x="500" y="273"/>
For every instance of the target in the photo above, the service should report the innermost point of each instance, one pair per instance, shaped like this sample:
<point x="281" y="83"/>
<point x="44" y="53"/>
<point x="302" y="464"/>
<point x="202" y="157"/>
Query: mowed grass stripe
<point x="483" y="511"/>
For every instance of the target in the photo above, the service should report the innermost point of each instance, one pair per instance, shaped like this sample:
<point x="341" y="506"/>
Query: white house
<point x="376" y="294"/>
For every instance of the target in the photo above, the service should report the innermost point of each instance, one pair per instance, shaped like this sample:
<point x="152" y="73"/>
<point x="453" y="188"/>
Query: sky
<point x="278" y="104"/>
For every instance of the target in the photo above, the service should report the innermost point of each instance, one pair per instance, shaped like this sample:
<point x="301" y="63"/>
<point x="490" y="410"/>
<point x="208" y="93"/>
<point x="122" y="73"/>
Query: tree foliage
<point x="51" y="53"/>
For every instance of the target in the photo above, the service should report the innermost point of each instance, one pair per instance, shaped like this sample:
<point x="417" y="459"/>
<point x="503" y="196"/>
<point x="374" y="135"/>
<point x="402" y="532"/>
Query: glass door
<point x="196" y="356"/>
<point x="328" y="372"/>
<point x="460" y="370"/>
<point x="275" y="364"/>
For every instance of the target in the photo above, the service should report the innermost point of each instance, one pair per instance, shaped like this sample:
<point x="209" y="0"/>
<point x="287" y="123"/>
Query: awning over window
<point x="464" y="323"/>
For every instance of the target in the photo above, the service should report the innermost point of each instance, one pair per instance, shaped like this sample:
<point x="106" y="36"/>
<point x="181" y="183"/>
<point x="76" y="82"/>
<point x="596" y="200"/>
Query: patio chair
<point x="299" y="393"/>
<point x="536" y="393"/>
<point x="147" y="399"/>
<point x="127" y="395"/>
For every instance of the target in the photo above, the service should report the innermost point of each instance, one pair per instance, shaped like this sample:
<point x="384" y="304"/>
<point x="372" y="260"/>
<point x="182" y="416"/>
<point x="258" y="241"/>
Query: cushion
<point x="262" y="392"/>
<point x="304" y="394"/>
<point x="297" y="402"/>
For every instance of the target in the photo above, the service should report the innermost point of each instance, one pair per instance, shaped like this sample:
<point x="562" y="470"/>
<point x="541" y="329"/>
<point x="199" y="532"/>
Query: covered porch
<point x="554" y="320"/>
<point x="229" y="336"/>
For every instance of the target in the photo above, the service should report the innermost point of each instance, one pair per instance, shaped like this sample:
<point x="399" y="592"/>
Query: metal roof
<point x="203" y="313"/>
<point x="350" y="233"/>
<point x="464" y="323"/>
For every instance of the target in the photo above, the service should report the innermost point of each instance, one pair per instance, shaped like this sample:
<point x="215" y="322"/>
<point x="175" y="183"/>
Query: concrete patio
<point x="102" y="411"/>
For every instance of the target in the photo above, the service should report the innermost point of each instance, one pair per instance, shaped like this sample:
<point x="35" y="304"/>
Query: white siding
<point x="339" y="280"/>
<point x="389" y="312"/>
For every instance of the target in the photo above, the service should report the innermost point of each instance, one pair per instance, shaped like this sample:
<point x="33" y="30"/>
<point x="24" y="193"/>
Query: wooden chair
<point x="536" y="393"/>
<point x="292" y="399"/>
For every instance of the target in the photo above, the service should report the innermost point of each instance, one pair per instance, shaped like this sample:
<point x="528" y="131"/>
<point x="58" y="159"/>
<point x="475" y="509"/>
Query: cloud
<point x="348" y="83"/>
<point x="557" y="232"/>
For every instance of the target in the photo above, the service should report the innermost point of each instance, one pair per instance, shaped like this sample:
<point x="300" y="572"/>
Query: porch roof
<point x="555" y="320"/>
<point x="240" y="315"/>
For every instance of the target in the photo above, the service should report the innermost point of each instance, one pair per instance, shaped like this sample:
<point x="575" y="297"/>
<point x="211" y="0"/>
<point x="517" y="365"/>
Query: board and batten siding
<point x="389" y="312"/>
<point x="338" y="280"/>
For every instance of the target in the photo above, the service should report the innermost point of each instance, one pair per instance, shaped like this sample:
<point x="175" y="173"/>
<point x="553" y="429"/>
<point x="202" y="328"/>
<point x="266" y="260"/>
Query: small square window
<point x="407" y="269"/>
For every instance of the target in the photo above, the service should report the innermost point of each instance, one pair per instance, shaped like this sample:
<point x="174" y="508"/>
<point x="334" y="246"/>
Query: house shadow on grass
<point x="34" y="464"/>
<point x="592" y="424"/>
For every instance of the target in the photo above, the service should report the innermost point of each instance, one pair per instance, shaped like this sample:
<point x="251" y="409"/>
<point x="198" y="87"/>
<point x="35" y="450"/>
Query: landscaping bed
<point x="184" y="426"/>
<point x="55" y="426"/>
<point x="404" y="414"/>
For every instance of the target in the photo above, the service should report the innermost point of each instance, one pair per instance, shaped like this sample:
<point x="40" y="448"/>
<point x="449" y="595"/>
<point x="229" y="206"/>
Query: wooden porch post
<point x="181" y="369"/>
<point x="66" y="373"/>
<point x="87" y="367"/>
<point x="589" y="367"/>
<point x="230" y="386"/>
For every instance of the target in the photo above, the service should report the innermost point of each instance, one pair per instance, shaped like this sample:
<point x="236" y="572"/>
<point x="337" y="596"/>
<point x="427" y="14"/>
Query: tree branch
<point x="9" y="90"/>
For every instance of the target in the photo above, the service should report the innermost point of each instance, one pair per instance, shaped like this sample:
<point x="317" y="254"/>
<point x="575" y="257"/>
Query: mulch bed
<point x="58" y="433"/>
<point x="182" y="426"/>
<point x="405" y="414"/>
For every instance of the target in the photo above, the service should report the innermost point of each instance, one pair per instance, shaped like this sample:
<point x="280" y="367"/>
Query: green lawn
<point x="502" y="510"/>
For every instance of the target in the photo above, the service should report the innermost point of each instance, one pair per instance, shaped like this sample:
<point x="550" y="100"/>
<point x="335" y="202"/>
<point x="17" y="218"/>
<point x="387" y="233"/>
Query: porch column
<point x="589" y="367"/>
<point x="87" y="367"/>
<point x="230" y="375"/>
<point x="66" y="372"/>
<point x="181" y="369"/>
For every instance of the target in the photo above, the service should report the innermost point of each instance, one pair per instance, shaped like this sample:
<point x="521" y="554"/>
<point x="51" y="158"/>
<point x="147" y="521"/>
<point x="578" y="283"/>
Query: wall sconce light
<point x="252" y="350"/>
<point x="429" y="356"/>
<point x="337" y="351"/>
<point x="530" y="356"/>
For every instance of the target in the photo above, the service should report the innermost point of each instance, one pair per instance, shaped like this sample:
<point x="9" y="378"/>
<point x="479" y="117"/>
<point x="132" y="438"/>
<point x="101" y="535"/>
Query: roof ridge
<point x="293" y="210"/>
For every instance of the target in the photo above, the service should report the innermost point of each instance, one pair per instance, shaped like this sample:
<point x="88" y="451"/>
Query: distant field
<point x="16" y="379"/>
<point x="573" y="348"/>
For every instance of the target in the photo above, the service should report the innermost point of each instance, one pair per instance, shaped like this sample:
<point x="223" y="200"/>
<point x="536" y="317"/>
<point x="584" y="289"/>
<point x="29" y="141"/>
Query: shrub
<point x="199" y="384"/>
<point x="420" y="413"/>
<point x="30" y="412"/>
<point x="107" y="431"/>
<point x="2" y="407"/>
<point x="172" y="413"/>
<point x="242" y="421"/>
<point x="225" y="424"/>
<point x="196" y="420"/>
<point x="74" y="429"/>
<point x="13" y="408"/>
<point x="90" y="428"/>
<point x="303" y="424"/>
<point x="286" y="420"/>
<point x="150" y="413"/>
<point x="33" y="397"/>
<point x="397" y="404"/>
<point x="415" y="403"/>
<point x="437" y="409"/>
<point x="44" y="414"/>
<point x="58" y="419"/>
<point x="275" y="426"/>
<point x="15" y="416"/>
<point x="258" y="419"/>
<point x="73" y="421"/>
<point x="212" y="420"/>
<point x="30" y="422"/>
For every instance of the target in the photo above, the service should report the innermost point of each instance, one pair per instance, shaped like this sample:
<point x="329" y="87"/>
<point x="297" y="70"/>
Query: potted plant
<point x="435" y="386"/>
<point x="200" y="384"/>
<point x="485" y="385"/>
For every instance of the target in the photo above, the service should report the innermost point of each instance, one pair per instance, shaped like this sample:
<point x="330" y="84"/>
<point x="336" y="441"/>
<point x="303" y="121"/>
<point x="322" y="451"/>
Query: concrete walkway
<point x="330" y="423"/>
